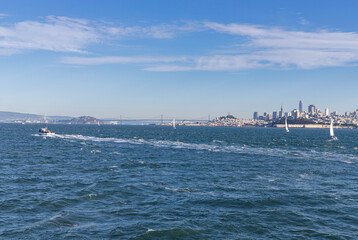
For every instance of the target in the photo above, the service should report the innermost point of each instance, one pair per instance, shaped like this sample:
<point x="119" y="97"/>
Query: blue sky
<point x="182" y="59"/>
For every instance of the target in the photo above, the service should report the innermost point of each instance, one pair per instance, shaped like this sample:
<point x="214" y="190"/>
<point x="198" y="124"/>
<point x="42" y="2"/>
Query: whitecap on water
<point x="95" y="151"/>
<point x="302" y="176"/>
<point x="346" y="161"/>
<point x="91" y="195"/>
<point x="181" y="190"/>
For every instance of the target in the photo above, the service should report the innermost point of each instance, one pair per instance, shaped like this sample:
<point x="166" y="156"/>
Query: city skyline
<point x="181" y="59"/>
<point x="300" y="112"/>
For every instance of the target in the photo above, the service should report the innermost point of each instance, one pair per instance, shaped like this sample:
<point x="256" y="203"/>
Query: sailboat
<point x="44" y="131"/>
<point x="286" y="126"/>
<point x="174" y="124"/>
<point x="331" y="131"/>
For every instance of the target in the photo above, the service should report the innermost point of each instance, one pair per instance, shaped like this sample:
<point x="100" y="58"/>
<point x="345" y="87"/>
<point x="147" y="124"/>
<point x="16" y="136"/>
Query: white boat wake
<point x="216" y="147"/>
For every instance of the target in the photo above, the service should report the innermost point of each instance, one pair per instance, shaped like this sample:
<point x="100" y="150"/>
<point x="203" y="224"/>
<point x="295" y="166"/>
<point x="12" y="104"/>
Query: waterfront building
<point x="300" y="108"/>
<point x="295" y="114"/>
<point x="274" y="115"/>
<point x="256" y="115"/>
<point x="311" y="109"/>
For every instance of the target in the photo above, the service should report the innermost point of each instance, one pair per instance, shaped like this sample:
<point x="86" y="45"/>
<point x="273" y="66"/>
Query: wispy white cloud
<point x="162" y="31"/>
<point x="213" y="63"/>
<point x="269" y="47"/>
<point x="60" y="34"/>
<point x="2" y="15"/>
<point x="260" y="36"/>
<point x="257" y="46"/>
<point x="120" y="59"/>
<point x="64" y="34"/>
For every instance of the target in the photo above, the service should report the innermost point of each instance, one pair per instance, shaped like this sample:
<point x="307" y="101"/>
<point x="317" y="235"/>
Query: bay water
<point x="156" y="182"/>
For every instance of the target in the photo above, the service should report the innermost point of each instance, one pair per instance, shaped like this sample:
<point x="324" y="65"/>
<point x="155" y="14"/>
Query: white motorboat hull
<point x="46" y="134"/>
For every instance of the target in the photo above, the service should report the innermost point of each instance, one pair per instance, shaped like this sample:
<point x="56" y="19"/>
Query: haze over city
<point x="182" y="59"/>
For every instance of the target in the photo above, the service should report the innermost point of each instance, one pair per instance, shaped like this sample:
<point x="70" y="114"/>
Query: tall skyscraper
<point x="282" y="114"/>
<point x="256" y="115"/>
<point x="300" y="108"/>
<point x="326" y="112"/>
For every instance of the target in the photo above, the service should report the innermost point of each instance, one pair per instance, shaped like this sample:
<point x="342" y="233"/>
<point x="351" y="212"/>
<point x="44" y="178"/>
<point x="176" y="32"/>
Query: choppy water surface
<point x="151" y="182"/>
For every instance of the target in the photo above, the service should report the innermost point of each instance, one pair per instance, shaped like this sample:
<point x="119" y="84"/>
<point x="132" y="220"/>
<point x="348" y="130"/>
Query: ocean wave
<point x="95" y="151"/>
<point x="174" y="233"/>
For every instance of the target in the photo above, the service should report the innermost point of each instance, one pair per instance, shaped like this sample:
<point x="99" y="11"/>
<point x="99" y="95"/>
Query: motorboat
<point x="45" y="132"/>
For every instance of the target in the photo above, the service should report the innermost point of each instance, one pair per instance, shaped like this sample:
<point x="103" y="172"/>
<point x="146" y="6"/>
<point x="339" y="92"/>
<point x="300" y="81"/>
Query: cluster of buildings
<point x="314" y="114"/>
<point x="298" y="118"/>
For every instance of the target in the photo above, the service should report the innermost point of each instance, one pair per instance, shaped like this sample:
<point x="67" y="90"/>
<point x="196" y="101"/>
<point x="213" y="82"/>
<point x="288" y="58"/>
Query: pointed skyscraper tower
<point x="282" y="114"/>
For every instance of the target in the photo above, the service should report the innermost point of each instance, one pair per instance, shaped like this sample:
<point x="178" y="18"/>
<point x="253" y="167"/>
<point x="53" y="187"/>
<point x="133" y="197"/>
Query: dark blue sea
<point x="154" y="182"/>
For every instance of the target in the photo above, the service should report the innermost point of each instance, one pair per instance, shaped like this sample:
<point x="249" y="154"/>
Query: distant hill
<point x="85" y="120"/>
<point x="13" y="116"/>
<point x="10" y="116"/>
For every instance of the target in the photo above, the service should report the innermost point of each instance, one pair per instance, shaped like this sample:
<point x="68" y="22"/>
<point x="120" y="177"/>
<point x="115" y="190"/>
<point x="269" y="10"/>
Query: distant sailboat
<point x="174" y="126"/>
<point x="286" y="126"/>
<point x="331" y="131"/>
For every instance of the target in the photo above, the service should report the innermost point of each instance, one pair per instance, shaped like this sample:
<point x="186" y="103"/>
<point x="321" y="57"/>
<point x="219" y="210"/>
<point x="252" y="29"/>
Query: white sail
<point x="331" y="132"/>
<point x="174" y="124"/>
<point x="286" y="126"/>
